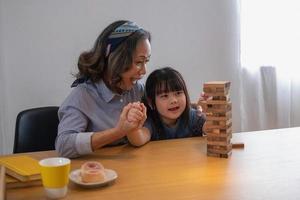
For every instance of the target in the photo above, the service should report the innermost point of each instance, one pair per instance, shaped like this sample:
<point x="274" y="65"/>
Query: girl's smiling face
<point x="170" y="106"/>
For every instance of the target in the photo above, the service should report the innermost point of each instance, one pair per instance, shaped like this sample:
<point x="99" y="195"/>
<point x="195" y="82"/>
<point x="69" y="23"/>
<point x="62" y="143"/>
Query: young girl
<point x="169" y="114"/>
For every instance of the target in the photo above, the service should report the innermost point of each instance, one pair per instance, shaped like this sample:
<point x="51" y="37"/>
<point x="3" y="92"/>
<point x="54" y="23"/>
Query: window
<point x="270" y="35"/>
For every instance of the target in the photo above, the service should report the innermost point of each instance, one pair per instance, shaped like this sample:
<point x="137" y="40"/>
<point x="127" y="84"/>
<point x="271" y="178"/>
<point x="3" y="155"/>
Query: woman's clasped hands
<point x="132" y="117"/>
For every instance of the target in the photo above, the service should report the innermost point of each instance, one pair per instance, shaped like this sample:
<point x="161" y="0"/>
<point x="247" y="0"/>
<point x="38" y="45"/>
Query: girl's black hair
<point x="164" y="80"/>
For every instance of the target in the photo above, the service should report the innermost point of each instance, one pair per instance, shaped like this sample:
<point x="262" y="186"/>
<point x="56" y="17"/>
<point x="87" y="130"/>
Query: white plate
<point x="110" y="175"/>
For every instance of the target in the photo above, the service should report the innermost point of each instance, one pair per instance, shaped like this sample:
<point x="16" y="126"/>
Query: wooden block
<point x="220" y="114"/>
<point x="203" y="106"/>
<point x="214" y="97"/>
<point x="218" y="108"/>
<point x="211" y="136"/>
<point x="215" y="94"/>
<point x="218" y="139"/>
<point x="216" y="87"/>
<point x="226" y="135"/>
<point x="227" y="155"/>
<point x="214" y="107"/>
<point x="213" y="154"/>
<point x="222" y="123"/>
<point x="220" y="143"/>
<point x="220" y="98"/>
<point x="217" y="91"/>
<point x="219" y="151"/>
<point x="222" y="132"/>
<point x="216" y="124"/>
<point x="220" y="148"/>
<point x="210" y="103"/>
<point x="215" y="130"/>
<point x="224" y="84"/>
<point x="238" y="145"/>
<point x="227" y="116"/>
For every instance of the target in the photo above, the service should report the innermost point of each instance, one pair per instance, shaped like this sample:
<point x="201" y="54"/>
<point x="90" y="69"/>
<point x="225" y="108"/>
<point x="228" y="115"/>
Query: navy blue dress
<point x="194" y="128"/>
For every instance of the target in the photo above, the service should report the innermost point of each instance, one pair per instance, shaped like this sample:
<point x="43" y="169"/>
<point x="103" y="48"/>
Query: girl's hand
<point x="124" y="125"/>
<point x="203" y="97"/>
<point x="144" y="110"/>
<point x="200" y="111"/>
<point x="135" y="113"/>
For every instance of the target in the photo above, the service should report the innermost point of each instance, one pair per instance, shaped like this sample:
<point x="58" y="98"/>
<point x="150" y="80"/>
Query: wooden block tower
<point x="218" y="118"/>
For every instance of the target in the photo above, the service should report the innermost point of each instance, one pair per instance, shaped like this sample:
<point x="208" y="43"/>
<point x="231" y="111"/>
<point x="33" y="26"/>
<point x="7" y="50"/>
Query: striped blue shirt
<point x="90" y="107"/>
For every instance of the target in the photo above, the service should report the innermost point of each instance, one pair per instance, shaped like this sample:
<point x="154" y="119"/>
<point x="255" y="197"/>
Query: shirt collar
<point x="105" y="92"/>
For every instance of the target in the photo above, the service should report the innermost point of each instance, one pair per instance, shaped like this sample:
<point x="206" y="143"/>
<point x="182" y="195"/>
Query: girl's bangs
<point x="169" y="85"/>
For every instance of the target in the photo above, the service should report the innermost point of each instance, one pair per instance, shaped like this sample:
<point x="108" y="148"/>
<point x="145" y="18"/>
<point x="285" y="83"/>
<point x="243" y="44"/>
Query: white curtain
<point x="270" y="41"/>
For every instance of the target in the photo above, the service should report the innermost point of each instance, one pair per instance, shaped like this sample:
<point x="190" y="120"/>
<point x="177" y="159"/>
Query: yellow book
<point x="23" y="168"/>
<point x="12" y="182"/>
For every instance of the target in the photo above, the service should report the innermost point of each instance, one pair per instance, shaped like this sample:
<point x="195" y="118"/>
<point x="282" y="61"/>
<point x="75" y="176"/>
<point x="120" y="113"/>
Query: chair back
<point x="36" y="129"/>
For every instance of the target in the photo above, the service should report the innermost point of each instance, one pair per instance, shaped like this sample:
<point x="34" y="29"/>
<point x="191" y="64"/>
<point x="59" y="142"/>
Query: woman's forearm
<point x="102" y="138"/>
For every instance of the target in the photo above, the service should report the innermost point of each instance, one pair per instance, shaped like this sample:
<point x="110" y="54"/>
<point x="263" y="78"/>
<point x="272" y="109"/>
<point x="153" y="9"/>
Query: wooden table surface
<point x="267" y="168"/>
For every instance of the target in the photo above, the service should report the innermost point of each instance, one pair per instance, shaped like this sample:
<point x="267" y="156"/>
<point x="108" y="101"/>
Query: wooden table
<point x="267" y="168"/>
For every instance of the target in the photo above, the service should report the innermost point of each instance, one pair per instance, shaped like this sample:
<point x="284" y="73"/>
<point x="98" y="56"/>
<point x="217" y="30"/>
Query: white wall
<point x="2" y="82"/>
<point x="40" y="41"/>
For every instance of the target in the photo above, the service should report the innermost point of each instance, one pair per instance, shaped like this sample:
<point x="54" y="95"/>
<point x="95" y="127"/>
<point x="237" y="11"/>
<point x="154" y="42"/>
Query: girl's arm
<point x="140" y="135"/>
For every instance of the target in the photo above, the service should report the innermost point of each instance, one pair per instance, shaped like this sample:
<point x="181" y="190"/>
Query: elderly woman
<point x="104" y="107"/>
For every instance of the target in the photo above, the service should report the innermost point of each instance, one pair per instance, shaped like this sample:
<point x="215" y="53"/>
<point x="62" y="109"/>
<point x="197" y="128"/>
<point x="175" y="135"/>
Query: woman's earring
<point x="151" y="107"/>
<point x="107" y="50"/>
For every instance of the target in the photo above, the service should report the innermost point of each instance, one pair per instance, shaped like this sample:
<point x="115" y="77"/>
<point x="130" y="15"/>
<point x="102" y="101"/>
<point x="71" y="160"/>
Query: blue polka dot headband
<point x="119" y="35"/>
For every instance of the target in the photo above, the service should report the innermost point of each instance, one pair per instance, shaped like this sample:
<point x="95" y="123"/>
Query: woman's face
<point x="170" y="106"/>
<point x="137" y="70"/>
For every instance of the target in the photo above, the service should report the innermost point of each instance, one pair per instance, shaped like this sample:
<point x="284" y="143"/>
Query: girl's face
<point x="170" y="106"/>
<point x="137" y="70"/>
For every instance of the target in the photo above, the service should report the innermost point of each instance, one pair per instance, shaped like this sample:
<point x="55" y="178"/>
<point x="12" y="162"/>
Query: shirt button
<point x="121" y="100"/>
